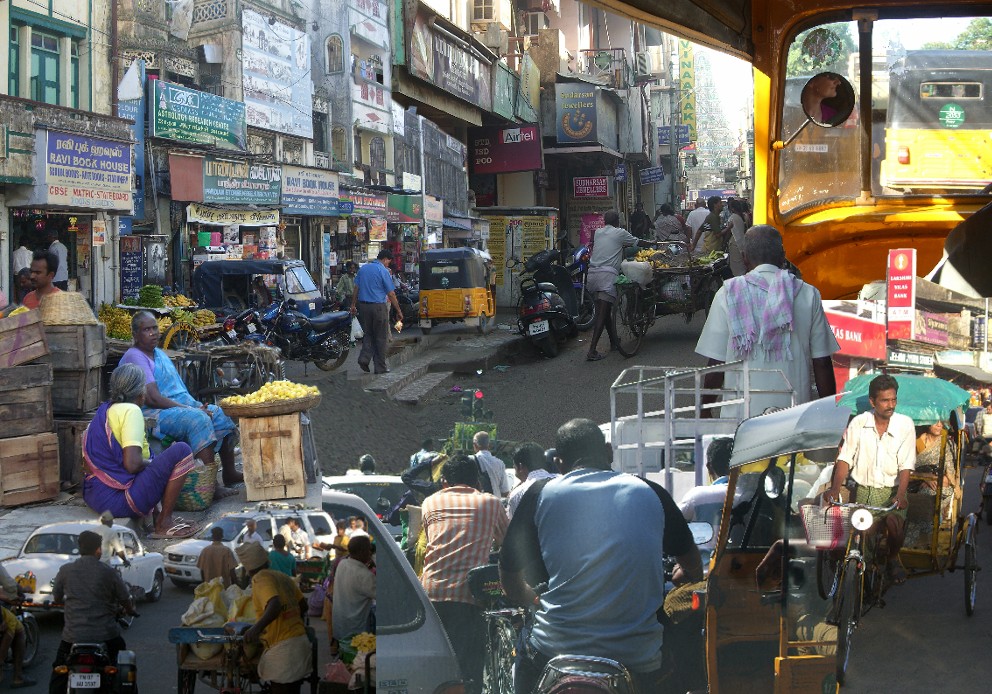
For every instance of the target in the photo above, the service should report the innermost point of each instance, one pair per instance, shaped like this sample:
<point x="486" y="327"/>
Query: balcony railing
<point x="608" y="66"/>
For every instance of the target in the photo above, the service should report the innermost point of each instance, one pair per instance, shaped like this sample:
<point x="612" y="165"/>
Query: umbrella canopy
<point x="925" y="400"/>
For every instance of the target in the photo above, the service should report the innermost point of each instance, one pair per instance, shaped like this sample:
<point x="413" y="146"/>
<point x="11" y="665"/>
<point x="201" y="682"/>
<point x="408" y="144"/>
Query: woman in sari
<point x="121" y="475"/>
<point x="176" y="413"/>
<point x="930" y="444"/>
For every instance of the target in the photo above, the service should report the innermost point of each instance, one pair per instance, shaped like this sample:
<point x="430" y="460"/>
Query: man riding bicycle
<point x="879" y="452"/>
<point x="597" y="537"/>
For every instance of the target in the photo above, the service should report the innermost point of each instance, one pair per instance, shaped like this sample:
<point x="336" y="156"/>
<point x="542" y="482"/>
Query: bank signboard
<point x="901" y="294"/>
<point x="188" y="115"/>
<point x="240" y="182"/>
<point x="86" y="172"/>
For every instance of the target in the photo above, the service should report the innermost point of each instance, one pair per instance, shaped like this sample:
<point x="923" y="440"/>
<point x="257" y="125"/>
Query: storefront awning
<point x="972" y="373"/>
<point x="459" y="223"/>
<point x="584" y="149"/>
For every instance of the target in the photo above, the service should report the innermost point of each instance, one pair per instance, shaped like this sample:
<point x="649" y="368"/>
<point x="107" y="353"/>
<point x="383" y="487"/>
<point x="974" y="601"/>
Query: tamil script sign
<point x="505" y="150"/>
<point x="591" y="187"/>
<point x="665" y="135"/>
<point x="188" y="115"/>
<point x="309" y="191"/>
<point x="240" y="182"/>
<point x="87" y="172"/>
<point x="227" y="216"/>
<point x="363" y="205"/>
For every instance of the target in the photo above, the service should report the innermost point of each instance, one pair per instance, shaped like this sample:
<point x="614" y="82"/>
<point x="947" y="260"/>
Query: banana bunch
<point x="164" y="323"/>
<point x="178" y="301"/>
<point x="117" y="320"/>
<point x="363" y="642"/>
<point x="658" y="260"/>
<point x="272" y="391"/>
<point x="183" y="317"/>
<point x="204" y="317"/>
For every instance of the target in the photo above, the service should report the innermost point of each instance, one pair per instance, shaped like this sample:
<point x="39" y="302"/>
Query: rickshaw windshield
<point x="298" y="281"/>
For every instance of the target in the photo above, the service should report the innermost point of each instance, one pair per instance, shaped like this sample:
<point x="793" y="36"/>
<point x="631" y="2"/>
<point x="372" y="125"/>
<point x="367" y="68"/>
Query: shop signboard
<point x="188" y="115"/>
<point x="901" y="294"/>
<point x="412" y="181"/>
<point x="652" y="174"/>
<point x="362" y="205"/>
<point x="448" y="64"/>
<point x="276" y="75"/>
<point x="405" y="209"/>
<point x="687" y="86"/>
<point x="914" y="360"/>
<point x="311" y="192"/>
<point x="505" y="150"/>
<point x="505" y="83"/>
<point x="372" y="106"/>
<point x="575" y="112"/>
<point x="132" y="276"/>
<point x="86" y="172"/>
<point x="433" y="210"/>
<point x="932" y="328"/>
<point x="240" y="182"/>
<point x="530" y="82"/>
<point x="857" y="336"/>
<point x="225" y="216"/>
<point x="590" y="187"/>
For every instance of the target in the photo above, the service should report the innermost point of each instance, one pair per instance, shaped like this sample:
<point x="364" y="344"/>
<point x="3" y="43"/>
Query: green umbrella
<point x="925" y="400"/>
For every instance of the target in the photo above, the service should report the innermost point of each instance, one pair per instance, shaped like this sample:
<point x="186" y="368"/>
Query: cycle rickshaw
<point x="773" y="604"/>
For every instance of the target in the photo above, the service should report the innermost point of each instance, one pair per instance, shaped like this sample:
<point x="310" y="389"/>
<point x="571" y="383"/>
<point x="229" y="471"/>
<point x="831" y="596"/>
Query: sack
<point x="337" y="672"/>
<point x="315" y="603"/>
<point x="213" y="591"/>
<point x="356" y="329"/>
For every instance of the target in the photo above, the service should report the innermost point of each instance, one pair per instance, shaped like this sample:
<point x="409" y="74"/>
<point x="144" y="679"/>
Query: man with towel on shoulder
<point x="773" y="321"/>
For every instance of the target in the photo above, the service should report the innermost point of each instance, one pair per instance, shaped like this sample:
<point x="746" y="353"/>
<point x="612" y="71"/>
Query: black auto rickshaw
<point x="456" y="286"/>
<point x="239" y="284"/>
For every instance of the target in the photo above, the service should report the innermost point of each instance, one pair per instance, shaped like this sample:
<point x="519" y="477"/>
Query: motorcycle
<point x="409" y="300"/>
<point x="586" y="315"/>
<point x="89" y="669"/>
<point x="547" y="308"/>
<point x="324" y="339"/>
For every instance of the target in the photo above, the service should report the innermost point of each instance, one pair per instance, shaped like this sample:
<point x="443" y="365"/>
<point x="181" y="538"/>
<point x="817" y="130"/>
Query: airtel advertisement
<point x="901" y="294"/>
<point x="506" y="150"/>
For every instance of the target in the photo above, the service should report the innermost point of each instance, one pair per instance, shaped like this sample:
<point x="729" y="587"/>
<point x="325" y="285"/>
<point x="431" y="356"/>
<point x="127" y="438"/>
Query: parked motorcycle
<point x="409" y="299"/>
<point x="324" y="339"/>
<point x="586" y="313"/>
<point x="547" y="308"/>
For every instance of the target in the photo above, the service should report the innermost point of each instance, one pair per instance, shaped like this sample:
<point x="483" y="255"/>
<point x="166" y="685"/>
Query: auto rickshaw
<point x="770" y="618"/>
<point x="239" y="284"/>
<point x="456" y="286"/>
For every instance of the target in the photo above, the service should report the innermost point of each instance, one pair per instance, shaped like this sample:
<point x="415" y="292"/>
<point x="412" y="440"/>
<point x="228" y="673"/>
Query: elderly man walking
<point x="374" y="292"/>
<point x="774" y="322"/>
<point x="490" y="466"/>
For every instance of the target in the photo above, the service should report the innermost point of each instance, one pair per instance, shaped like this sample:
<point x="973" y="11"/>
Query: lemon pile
<point x="363" y="642"/>
<point x="117" y="320"/>
<point x="271" y="392"/>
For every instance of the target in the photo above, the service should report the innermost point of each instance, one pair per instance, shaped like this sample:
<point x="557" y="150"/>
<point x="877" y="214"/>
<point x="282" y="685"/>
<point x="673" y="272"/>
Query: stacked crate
<point x="29" y="450"/>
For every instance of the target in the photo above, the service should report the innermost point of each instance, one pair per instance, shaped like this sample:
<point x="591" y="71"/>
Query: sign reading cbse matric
<point x="189" y="115"/>
<point x="86" y="172"/>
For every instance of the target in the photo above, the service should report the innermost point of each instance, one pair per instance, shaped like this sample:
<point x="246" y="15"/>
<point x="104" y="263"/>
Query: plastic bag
<point x="337" y="672"/>
<point x="637" y="271"/>
<point x="315" y="603"/>
<point x="356" y="329"/>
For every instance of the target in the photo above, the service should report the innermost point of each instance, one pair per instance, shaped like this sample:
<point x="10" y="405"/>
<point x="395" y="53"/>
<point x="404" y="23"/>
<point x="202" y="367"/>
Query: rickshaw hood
<point x="807" y="427"/>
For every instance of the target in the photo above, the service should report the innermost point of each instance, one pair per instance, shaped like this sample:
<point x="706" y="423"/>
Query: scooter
<point x="547" y="308"/>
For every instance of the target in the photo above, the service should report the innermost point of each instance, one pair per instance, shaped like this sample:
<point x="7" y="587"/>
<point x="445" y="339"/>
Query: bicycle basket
<point x="826" y="528"/>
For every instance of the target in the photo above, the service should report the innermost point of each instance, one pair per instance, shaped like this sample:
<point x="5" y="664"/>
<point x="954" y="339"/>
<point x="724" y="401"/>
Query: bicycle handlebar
<point x="850" y="504"/>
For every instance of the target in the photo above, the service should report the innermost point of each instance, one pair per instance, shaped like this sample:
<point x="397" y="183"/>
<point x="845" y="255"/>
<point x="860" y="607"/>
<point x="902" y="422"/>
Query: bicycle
<point x="859" y="577"/>
<point x="503" y="626"/>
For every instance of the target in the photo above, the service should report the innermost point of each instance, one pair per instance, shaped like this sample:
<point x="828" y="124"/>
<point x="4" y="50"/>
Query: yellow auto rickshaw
<point x="456" y="286"/>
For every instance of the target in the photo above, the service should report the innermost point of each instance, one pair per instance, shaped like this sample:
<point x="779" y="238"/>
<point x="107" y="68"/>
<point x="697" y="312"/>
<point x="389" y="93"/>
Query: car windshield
<point x="379" y="495"/>
<point x="231" y="525"/>
<point x="52" y="543"/>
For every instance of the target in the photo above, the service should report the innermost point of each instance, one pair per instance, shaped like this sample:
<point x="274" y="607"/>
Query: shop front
<point x="310" y="202"/>
<point x="362" y="227"/>
<point x="515" y="233"/>
<point x="405" y="214"/>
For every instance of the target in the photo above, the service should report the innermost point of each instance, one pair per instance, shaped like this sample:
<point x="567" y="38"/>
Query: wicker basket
<point x="66" y="308"/>
<point x="826" y="528"/>
<point x="198" y="490"/>
<point x="271" y="409"/>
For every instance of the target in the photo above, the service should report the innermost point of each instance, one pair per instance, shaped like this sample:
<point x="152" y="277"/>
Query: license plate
<point x="538" y="327"/>
<point x="251" y="327"/>
<point x="231" y="334"/>
<point x="84" y="680"/>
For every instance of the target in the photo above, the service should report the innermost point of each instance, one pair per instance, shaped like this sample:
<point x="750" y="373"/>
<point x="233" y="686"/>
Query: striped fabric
<point x="460" y="524"/>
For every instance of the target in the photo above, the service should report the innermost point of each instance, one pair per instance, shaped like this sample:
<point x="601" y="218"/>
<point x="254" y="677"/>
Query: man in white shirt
<point x="297" y="540"/>
<point x="773" y="321"/>
<point x="490" y="465"/>
<point x="112" y="545"/>
<point x="251" y="534"/>
<point x="696" y="218"/>
<point x="879" y="452"/>
<point x="62" y="271"/>
<point x="22" y="258"/>
<point x="528" y="464"/>
<point x="354" y="590"/>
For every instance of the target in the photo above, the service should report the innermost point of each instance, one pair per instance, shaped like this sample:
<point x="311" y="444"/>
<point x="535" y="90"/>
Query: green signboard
<point x="951" y="116"/>
<point x="229" y="181"/>
<point x="505" y="90"/>
<point x="405" y="209"/>
<point x="189" y="115"/>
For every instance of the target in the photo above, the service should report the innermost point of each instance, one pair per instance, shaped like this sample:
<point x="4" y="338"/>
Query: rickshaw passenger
<point x="177" y="414"/>
<point x="927" y="481"/>
<point x="879" y="451"/>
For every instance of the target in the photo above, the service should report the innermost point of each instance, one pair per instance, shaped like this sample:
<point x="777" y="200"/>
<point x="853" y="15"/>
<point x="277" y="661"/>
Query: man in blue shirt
<point x="374" y="292"/>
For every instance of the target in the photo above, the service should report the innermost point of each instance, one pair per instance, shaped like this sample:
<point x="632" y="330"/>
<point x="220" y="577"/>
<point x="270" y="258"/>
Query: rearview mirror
<point x="702" y="532"/>
<point x="828" y="99"/>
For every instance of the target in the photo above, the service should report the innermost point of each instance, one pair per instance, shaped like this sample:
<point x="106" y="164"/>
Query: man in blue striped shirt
<point x="374" y="292"/>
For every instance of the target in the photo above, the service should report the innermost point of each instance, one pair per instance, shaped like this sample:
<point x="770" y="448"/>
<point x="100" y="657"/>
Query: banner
<point x="227" y="181"/>
<point x="309" y="191"/>
<point x="505" y="150"/>
<point x="226" y="216"/>
<point x="590" y="222"/>
<point x="687" y="86"/>
<point x="188" y="115"/>
<point x="497" y="247"/>
<point x="535" y="235"/>
<point x="86" y="172"/>
<point x="575" y="112"/>
<point x="901" y="294"/>
<point x="377" y="229"/>
<point x="932" y="328"/>
<point x="591" y="187"/>
<point x="278" y="90"/>
<point x="405" y="209"/>
<point x="453" y="68"/>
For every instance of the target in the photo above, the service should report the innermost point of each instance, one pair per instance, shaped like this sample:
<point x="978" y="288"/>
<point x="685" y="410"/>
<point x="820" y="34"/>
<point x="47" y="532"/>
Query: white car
<point x="380" y="492"/>
<point x="51" y="546"/>
<point x="181" y="558"/>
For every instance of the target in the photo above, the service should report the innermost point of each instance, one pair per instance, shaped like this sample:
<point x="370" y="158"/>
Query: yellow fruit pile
<point x="204" y="317"/>
<point x="117" y="320"/>
<point x="659" y="261"/>
<point x="178" y="301"/>
<point x="271" y="392"/>
<point x="363" y="642"/>
<point x="164" y="323"/>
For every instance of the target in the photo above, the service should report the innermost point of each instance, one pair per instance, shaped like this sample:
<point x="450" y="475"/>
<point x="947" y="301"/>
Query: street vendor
<point x="287" y="658"/>
<point x="122" y="477"/>
<point x="175" y="412"/>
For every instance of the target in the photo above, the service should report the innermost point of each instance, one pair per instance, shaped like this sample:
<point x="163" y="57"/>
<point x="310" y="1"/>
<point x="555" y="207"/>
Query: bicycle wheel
<point x="847" y="611"/>
<point x="630" y="320"/>
<point x="970" y="577"/>
<point x="504" y="653"/>
<point x="826" y="574"/>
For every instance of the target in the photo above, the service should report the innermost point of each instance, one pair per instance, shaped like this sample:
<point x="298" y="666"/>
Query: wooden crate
<point x="22" y="339"/>
<point x="25" y="400"/>
<point x="70" y="434"/>
<point x="272" y="457"/>
<point x="29" y="469"/>
<point x="76" y="347"/>
<point x="76" y="392"/>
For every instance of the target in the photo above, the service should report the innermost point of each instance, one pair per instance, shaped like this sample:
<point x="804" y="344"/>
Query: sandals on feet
<point x="897" y="574"/>
<point x="595" y="356"/>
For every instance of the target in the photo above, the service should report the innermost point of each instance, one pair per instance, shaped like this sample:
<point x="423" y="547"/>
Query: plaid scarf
<point x="772" y="329"/>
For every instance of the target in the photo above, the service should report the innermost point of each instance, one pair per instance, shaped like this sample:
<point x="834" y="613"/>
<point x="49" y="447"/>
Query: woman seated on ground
<point x="175" y="412"/>
<point x="121" y="475"/>
<point x="926" y="479"/>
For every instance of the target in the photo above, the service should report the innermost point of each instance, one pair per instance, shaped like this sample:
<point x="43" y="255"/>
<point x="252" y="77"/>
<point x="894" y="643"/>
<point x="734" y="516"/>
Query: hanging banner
<point x="86" y="172"/>
<point x="309" y="191"/>
<point x="278" y="91"/>
<point x="377" y="229"/>
<point x="448" y="64"/>
<point x="901" y="294"/>
<point x="188" y="115"/>
<point x="240" y="182"/>
<point x="687" y="86"/>
<point x="224" y="217"/>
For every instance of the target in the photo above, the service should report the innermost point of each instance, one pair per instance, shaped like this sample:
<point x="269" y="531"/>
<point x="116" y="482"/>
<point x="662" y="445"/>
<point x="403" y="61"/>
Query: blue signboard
<point x="124" y="226"/>
<point x="346" y="207"/>
<point x="664" y="135"/>
<point x="575" y="107"/>
<point x="620" y="173"/>
<point x="652" y="174"/>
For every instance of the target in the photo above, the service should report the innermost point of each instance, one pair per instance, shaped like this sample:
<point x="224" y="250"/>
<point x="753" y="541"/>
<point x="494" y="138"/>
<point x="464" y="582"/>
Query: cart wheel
<point x="187" y="681"/>
<point x="180" y="336"/>
<point x="970" y="577"/>
<point x="630" y="320"/>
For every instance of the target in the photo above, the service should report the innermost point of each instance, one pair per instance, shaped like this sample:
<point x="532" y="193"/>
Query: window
<point x="335" y="54"/>
<point x="534" y="22"/>
<point x="319" y="131"/>
<point x="320" y="525"/>
<point x="44" y="67"/>
<point x="377" y="153"/>
<point x="13" y="84"/>
<point x="339" y="146"/>
<point x="483" y="11"/>
<point x="358" y="149"/>
<point x="74" y="77"/>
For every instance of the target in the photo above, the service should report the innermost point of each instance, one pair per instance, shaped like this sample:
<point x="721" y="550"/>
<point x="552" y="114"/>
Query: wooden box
<point x="76" y="392"/>
<point x="25" y="400"/>
<point x="70" y="434"/>
<point x="29" y="469"/>
<point x="272" y="457"/>
<point x="22" y="339"/>
<point x="76" y="347"/>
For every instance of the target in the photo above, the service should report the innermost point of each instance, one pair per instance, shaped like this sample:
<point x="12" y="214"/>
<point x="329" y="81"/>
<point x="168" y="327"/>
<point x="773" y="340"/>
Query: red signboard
<point x="901" y="294"/>
<point x="591" y="187"/>
<point x="505" y="150"/>
<point x="857" y="337"/>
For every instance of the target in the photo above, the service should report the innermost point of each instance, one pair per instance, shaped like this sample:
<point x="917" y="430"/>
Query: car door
<point x="320" y="529"/>
<point x="140" y="572"/>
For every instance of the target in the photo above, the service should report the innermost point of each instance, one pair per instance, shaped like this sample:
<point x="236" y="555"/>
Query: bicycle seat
<point x="483" y="582"/>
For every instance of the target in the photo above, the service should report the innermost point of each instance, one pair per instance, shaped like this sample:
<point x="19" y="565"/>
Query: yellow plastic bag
<point x="214" y="591"/>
